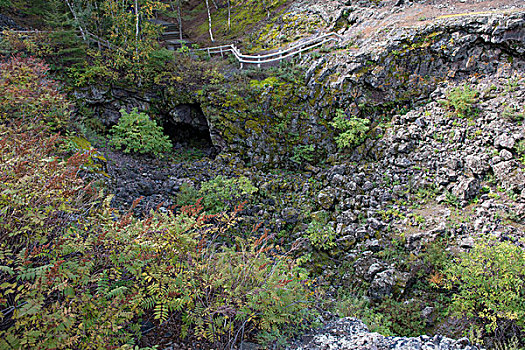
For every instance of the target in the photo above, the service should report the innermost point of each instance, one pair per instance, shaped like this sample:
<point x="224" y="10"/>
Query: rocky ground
<point x="8" y="23"/>
<point x="430" y="174"/>
<point x="429" y="170"/>
<point x="352" y="334"/>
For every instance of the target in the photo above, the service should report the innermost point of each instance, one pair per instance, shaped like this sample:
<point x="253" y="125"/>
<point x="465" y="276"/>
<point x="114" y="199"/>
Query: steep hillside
<point x="367" y="194"/>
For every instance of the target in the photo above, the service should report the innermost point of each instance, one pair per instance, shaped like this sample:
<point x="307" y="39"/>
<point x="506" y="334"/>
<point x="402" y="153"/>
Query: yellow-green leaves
<point x="491" y="282"/>
<point x="136" y="132"/>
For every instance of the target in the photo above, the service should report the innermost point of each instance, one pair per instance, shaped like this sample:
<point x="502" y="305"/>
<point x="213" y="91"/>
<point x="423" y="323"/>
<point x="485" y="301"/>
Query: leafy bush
<point x="321" y="235"/>
<point x="75" y="274"/>
<point x="490" y="280"/>
<point x="520" y="150"/>
<point x="5" y="4"/>
<point x="218" y="194"/>
<point x="513" y="113"/>
<point x="355" y="306"/>
<point x="401" y="317"/>
<point x="462" y="100"/>
<point x="138" y="133"/>
<point x="29" y="96"/>
<point x="267" y="83"/>
<point x="63" y="283"/>
<point x="61" y="49"/>
<point x="303" y="153"/>
<point x="38" y="190"/>
<point x="353" y="130"/>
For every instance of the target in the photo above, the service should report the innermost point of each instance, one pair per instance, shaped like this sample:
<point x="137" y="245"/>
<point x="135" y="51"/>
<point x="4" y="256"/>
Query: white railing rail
<point x="28" y="31"/>
<point x="99" y="41"/>
<point x="89" y="37"/>
<point x="275" y="56"/>
<point x="280" y="55"/>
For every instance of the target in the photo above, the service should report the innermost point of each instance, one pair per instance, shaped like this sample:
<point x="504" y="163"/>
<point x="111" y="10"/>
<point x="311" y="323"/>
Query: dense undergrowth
<point x="75" y="273"/>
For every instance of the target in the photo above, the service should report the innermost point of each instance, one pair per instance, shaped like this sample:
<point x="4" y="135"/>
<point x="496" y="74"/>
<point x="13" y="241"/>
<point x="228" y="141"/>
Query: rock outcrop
<point x="8" y="23"/>
<point x="426" y="171"/>
<point x="352" y="334"/>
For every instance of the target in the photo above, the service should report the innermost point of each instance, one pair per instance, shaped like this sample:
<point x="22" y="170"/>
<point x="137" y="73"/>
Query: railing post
<point x="277" y="56"/>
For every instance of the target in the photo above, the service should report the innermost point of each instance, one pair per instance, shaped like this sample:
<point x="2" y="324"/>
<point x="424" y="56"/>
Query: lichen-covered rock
<point x="505" y="141"/>
<point x="466" y="189"/>
<point x="327" y="197"/>
<point x="477" y="165"/>
<point x="511" y="174"/>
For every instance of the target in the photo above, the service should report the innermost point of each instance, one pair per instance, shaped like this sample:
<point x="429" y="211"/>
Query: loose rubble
<point x="352" y="334"/>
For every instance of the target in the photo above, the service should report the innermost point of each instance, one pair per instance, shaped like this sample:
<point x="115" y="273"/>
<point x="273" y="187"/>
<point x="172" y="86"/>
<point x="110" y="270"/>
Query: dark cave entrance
<point x="188" y="130"/>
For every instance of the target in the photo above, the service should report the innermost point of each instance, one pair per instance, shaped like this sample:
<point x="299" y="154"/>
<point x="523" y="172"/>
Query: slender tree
<point x="137" y="28"/>
<point x="179" y="17"/>
<point x="229" y="16"/>
<point x="77" y="21"/>
<point x="209" y="20"/>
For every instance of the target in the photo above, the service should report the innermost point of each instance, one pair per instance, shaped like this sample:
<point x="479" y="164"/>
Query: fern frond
<point x="116" y="292"/>
<point x="7" y="270"/>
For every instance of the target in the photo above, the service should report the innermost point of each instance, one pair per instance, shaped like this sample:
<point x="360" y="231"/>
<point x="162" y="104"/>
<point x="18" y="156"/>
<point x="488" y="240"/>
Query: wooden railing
<point x="88" y="37"/>
<point x="297" y="49"/>
<point x="99" y="41"/>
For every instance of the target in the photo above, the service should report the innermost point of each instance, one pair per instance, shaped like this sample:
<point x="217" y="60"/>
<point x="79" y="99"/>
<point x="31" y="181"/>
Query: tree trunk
<point x="209" y="20"/>
<point x="137" y="20"/>
<point x="76" y="20"/>
<point x="229" y="17"/>
<point x="180" y="21"/>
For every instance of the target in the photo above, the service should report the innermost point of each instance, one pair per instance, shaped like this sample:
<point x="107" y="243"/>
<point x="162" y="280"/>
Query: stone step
<point x="176" y="43"/>
<point x="172" y="27"/>
<point x="170" y="35"/>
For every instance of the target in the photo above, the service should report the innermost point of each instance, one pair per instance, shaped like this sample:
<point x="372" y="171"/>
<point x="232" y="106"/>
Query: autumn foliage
<point x="29" y="96"/>
<point x="75" y="273"/>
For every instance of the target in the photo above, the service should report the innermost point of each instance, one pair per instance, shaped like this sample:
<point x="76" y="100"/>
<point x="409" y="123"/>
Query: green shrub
<point x="38" y="190"/>
<point x="29" y="95"/>
<point x="71" y="276"/>
<point x="452" y="199"/>
<point x="513" y="113"/>
<point x="520" y="150"/>
<point x="5" y="4"/>
<point x="267" y="83"/>
<point x="303" y="153"/>
<point x="352" y="130"/>
<point x="490" y="282"/>
<point x="321" y="235"/>
<point x="402" y="317"/>
<point x="136" y="132"/>
<point x="359" y="307"/>
<point x="218" y="194"/>
<point x="462" y="100"/>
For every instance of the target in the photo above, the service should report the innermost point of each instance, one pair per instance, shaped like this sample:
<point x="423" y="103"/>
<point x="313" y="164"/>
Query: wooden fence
<point x="280" y="55"/>
<point x="296" y="49"/>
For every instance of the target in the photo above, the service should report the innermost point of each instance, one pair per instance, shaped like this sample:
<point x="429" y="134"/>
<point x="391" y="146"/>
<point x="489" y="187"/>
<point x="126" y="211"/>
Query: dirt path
<point x="438" y="9"/>
<point x="423" y="13"/>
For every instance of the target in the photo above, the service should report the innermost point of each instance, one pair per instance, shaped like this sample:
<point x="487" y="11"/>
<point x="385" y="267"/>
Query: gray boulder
<point x="352" y="334"/>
